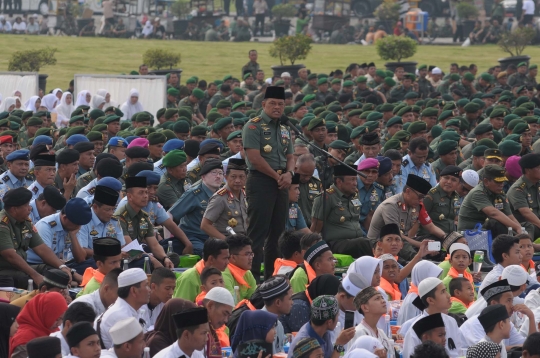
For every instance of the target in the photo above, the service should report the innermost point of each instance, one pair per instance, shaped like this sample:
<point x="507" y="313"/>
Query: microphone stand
<point x="286" y="121"/>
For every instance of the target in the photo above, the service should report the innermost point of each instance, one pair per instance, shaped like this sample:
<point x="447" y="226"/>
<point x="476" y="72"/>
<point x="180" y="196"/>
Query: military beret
<point x="75" y="130"/>
<point x="520" y="111"/>
<point x="142" y="117"/>
<point x="332" y="117"/>
<point x="236" y="114"/>
<point x="172" y="144"/>
<point x="214" y="116"/>
<point x="513" y="137"/>
<point x="331" y="126"/>
<point x="483" y="128"/>
<point x="530" y="119"/>
<point x="234" y="135"/>
<point x="238" y="91"/>
<point x="137" y="152"/>
<point x="44" y="113"/>
<point x="529" y="161"/>
<point x="404" y="110"/>
<point x="385" y="165"/>
<point x="173" y="91"/>
<point x="348" y="84"/>
<point x="509" y="118"/>
<point x="198" y="93"/>
<point x="533" y="67"/>
<point x="368" y="107"/>
<point x="370" y="139"/>
<point x="211" y="164"/>
<point x="322" y="75"/>
<point x="374" y="116"/>
<point x="27" y="114"/>
<point x="417" y="127"/>
<point x="312" y="76"/>
<point x="78" y="211"/>
<point x="522" y="64"/>
<point x="402" y="135"/>
<point x="174" y="158"/>
<point x="298" y="106"/>
<point x="315" y="123"/>
<point x="186" y="111"/>
<point x="170" y="112"/>
<point x="74" y="119"/>
<point x="210" y="146"/>
<point x="455" y="77"/>
<point x="505" y="99"/>
<point x="82" y="147"/>
<point x="514" y="122"/>
<point x="198" y="131"/>
<point x="21" y="154"/>
<point x="361" y="79"/>
<point x="430" y="112"/>
<point x="447" y="146"/>
<point x="529" y="105"/>
<point x="358" y="131"/>
<point x="499" y="112"/>
<point x="386" y="107"/>
<point x="436" y="131"/>
<point x="451" y="170"/>
<point x="521" y="128"/>
<point x="471" y="107"/>
<point x="117" y="142"/>
<point x="487" y="77"/>
<point x="239" y="105"/>
<point x="392" y="144"/>
<point x="462" y="102"/>
<point x="223" y="104"/>
<point x="339" y="144"/>
<point x="479" y="150"/>
<point x="94" y="135"/>
<point x="320" y="112"/>
<point x="371" y="126"/>
<point x="68" y="156"/>
<point x="432" y="103"/>
<point x="454" y="122"/>
<point x="336" y="81"/>
<point x="509" y="148"/>
<point x="335" y="108"/>
<point x="17" y="197"/>
<point x="451" y="135"/>
<point x="411" y="95"/>
<point x="222" y="123"/>
<point x="111" y="118"/>
<point x="487" y="142"/>
<point x="45" y="131"/>
<point x="34" y="121"/>
<point x="156" y="138"/>
<point x="394" y="120"/>
<point x="322" y="81"/>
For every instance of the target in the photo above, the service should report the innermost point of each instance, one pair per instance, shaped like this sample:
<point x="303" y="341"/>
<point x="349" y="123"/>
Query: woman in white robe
<point x="98" y="102"/>
<point x="83" y="98"/>
<point x="148" y="29"/>
<point x="49" y="101"/>
<point x="33" y="103"/>
<point x="58" y="93"/>
<point x="105" y="94"/>
<point x="8" y="104"/>
<point x="64" y="110"/>
<point x="132" y="105"/>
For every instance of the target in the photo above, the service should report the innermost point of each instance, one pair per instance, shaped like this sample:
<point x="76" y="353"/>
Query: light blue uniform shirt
<point x="36" y="189"/>
<point x="425" y="171"/>
<point x="88" y="189"/>
<point x="158" y="168"/>
<point x="156" y="212"/>
<point x="34" y="214"/>
<point x="96" y="229"/>
<point x="190" y="208"/>
<point x="9" y="181"/>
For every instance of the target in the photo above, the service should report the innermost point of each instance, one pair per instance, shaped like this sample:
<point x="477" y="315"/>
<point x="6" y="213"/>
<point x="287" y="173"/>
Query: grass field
<point x="210" y="61"/>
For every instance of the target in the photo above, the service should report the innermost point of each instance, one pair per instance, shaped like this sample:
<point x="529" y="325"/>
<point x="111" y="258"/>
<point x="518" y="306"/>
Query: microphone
<point x="287" y="122"/>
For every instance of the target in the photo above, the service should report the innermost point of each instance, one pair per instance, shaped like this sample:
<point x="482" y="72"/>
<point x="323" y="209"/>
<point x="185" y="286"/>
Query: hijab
<point x="326" y="284"/>
<point x="8" y="102"/>
<point x="365" y="266"/>
<point x="164" y="333"/>
<point x="103" y="93"/>
<point x="56" y="90"/>
<point x="130" y="109"/>
<point x="30" y="105"/>
<point x="8" y="313"/>
<point x="253" y="325"/>
<point x="81" y="99"/>
<point x="359" y="353"/>
<point x="37" y="317"/>
<point x="48" y="101"/>
<point x="148" y="28"/>
<point x="64" y="110"/>
<point x="368" y="343"/>
<point x="97" y="100"/>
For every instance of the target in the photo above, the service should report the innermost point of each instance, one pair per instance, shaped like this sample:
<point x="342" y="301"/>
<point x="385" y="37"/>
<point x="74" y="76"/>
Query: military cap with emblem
<point x="198" y="130"/>
<point x="404" y="110"/>
<point x="68" y="156"/>
<point x="445" y="115"/>
<point x="394" y="120"/>
<point x="417" y="127"/>
<point x="358" y="131"/>
<point x="82" y="147"/>
<point x="93" y="136"/>
<point x="392" y="144"/>
<point x="17" y="197"/>
<point x="483" y="128"/>
<point x="170" y="112"/>
<point x="370" y="139"/>
<point x="339" y="144"/>
<point x="402" y="135"/>
<point x="521" y="128"/>
<point x="222" y="123"/>
<point x="447" y="146"/>
<point x="451" y="170"/>
<point x="316" y="122"/>
<point x="499" y="112"/>
<point x="495" y="172"/>
<point x="471" y="107"/>
<point x="21" y="154"/>
<point x="374" y="116"/>
<point x="348" y="83"/>
<point x="509" y="148"/>
<point x="234" y="135"/>
<point x="479" y="150"/>
<point x="308" y="98"/>
<point x="111" y="118"/>
<point x="198" y="93"/>
<point x="430" y="112"/>
<point x="411" y="95"/>
<point x="520" y="111"/>
<point x="361" y="79"/>
<point x="144" y="131"/>
<point x="530" y="119"/>
<point x="34" y="121"/>
<point x="210" y="148"/>
<point x="451" y="135"/>
<point x="454" y="122"/>
<point x="371" y="126"/>
<point x="117" y="142"/>
<point x="174" y="158"/>
<point x="419" y="184"/>
<point x="156" y="138"/>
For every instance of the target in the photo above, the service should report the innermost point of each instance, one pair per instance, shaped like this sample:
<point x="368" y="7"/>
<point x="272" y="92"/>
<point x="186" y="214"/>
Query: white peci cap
<point x="285" y="74"/>
<point x="221" y="295"/>
<point x="459" y="246"/>
<point x="515" y="275"/>
<point x="470" y="177"/>
<point x="131" y="276"/>
<point x="125" y="330"/>
<point x="427" y="285"/>
<point x="436" y="71"/>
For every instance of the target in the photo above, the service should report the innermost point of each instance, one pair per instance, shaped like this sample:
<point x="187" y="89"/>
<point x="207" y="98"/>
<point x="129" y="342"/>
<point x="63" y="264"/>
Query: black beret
<point x="211" y="164"/>
<point x="135" y="182"/>
<point x="17" y="197"/>
<point x="101" y="156"/>
<point x="137" y="152"/>
<point x="38" y="149"/>
<point x="451" y="170"/>
<point x="45" y="160"/>
<point x="54" y="197"/>
<point x="191" y="147"/>
<point x="109" y="167"/>
<point x="82" y="147"/>
<point x="529" y="161"/>
<point x="210" y="148"/>
<point x="419" y="184"/>
<point x="67" y="156"/>
<point x="136" y="168"/>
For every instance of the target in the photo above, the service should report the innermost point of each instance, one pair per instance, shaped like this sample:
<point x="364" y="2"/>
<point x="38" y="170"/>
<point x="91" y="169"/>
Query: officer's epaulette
<point x="125" y="176"/>
<point x="115" y="218"/>
<point x="5" y="178"/>
<point x="197" y="169"/>
<point x="52" y="223"/>
<point x="5" y="220"/>
<point x="330" y="191"/>
<point x="161" y="166"/>
<point x="222" y="191"/>
<point x="432" y="191"/>
<point x="28" y="219"/>
<point x="125" y="213"/>
<point x="317" y="179"/>
<point x="379" y="186"/>
<point x="144" y="212"/>
<point x="405" y="162"/>
<point x="255" y="119"/>
<point x="522" y="186"/>
<point x="196" y="191"/>
<point x="92" y="190"/>
<point x="427" y="163"/>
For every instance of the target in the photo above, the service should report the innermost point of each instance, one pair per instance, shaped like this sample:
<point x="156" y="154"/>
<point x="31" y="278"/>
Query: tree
<point x="515" y="42"/>
<point x="291" y="48"/>
<point x="158" y="58"/>
<point x="395" y="47"/>
<point x="32" y="60"/>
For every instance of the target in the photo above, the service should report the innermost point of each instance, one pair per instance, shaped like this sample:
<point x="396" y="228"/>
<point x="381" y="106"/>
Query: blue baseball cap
<point x="152" y="178"/>
<point x="21" y="154"/>
<point x="173" y="144"/>
<point x="76" y="138"/>
<point x="42" y="139"/>
<point x="110" y="182"/>
<point x="78" y="211"/>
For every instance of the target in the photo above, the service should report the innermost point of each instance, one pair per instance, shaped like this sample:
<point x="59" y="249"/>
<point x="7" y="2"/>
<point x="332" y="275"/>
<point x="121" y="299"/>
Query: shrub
<point x="32" y="60"/>
<point x="291" y="48"/>
<point x="283" y="10"/>
<point x="514" y="43"/>
<point x="466" y="10"/>
<point x="160" y="59"/>
<point x="388" y="11"/>
<point x="395" y="47"/>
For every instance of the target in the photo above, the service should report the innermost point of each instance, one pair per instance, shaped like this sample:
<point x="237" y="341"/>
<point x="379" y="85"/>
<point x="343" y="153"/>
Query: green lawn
<point x="210" y="61"/>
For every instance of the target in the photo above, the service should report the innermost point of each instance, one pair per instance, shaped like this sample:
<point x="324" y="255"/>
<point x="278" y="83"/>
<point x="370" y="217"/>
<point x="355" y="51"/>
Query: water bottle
<point x="30" y="285"/>
<point x="237" y="294"/>
<point x="387" y="326"/>
<point x="390" y="352"/>
<point x="169" y="249"/>
<point x="478" y="260"/>
<point x="126" y="265"/>
<point x="510" y="231"/>
<point x="147" y="268"/>
<point x="146" y="353"/>
<point x="230" y="230"/>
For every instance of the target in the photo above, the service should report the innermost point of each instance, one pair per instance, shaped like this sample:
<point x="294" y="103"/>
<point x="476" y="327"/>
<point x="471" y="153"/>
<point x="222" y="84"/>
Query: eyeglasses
<point x="420" y="196"/>
<point x="216" y="173"/>
<point x="247" y="254"/>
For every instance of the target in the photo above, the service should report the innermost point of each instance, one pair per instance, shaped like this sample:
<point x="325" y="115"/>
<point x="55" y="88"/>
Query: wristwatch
<point x="338" y="348"/>
<point x="62" y="266"/>
<point x="292" y="173"/>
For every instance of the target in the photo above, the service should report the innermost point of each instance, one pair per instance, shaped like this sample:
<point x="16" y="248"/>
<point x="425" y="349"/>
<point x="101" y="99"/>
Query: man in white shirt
<point x="83" y="341"/>
<point x="528" y="12"/>
<point x="133" y="293"/>
<point x="107" y="294"/>
<point x="496" y="323"/>
<point x="128" y="338"/>
<point x="192" y="329"/>
<point x="162" y="285"/>
<point x="5" y="26"/>
<point x="75" y="313"/>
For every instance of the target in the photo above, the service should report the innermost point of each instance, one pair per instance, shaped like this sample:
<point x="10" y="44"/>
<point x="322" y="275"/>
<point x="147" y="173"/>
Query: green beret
<point x="509" y="118"/>
<point x="372" y="126"/>
<point x="233" y="135"/>
<point x="336" y="81"/>
<point x="236" y="115"/>
<point x="311" y="76"/>
<point x="417" y="127"/>
<point x="505" y="99"/>
<point x="386" y="107"/>
<point x="142" y="117"/>
<point x="530" y="119"/>
<point x="26" y="115"/>
<point x="514" y="122"/>
<point x="402" y="135"/>
<point x="161" y="112"/>
<point x="520" y="111"/>
<point x="238" y="105"/>
<point x="331" y="117"/>
<point x="404" y="110"/>
<point x="75" y="130"/>
<point x="479" y="102"/>
<point x="430" y="112"/>
<point x="4" y="123"/>
<point x="322" y="75"/>
<point x="93" y="135"/>
<point x="174" y="158"/>
<point x="436" y="131"/>
<point x="169" y="134"/>
<point x="305" y="121"/>
<point x="483" y="128"/>
<point x="422" y="67"/>
<point x="339" y="144"/>
<point x="529" y="105"/>
<point x="521" y="128"/>
<point x="316" y="122"/>
<point x="478" y="150"/>
<point x="156" y="138"/>
<point x="374" y="116"/>
<point x="331" y="126"/>
<point x="455" y="77"/>
<point x="170" y="112"/>
<point x="198" y="93"/>
<point x="247" y="75"/>
<point x="227" y="77"/>
<point x="409" y="76"/>
<point x="462" y="102"/>
<point x="361" y="79"/>
<point x="394" y="120"/>
<point x="322" y="81"/>
<point x="358" y="131"/>
<point x="223" y="104"/>
<point x="521" y="88"/>
<point x="43" y="131"/>
<point x="451" y="135"/>
<point x="449" y="106"/>
<point x="167" y="125"/>
<point x="198" y="131"/>
<point x="368" y="107"/>
<point x="411" y="95"/>
<point x="454" y="122"/>
<point x="471" y="107"/>
<point x="447" y="146"/>
<point x="214" y="116"/>
<point x="111" y="118"/>
<point x="320" y="110"/>
<point x="344" y="133"/>
<point x="348" y="84"/>
<point x="191" y="80"/>
<point x="509" y="148"/>
<point x="380" y="73"/>
<point x="498" y="113"/>
<point x="468" y="76"/>
<point x="487" y="142"/>
<point x="222" y="123"/>
<point x="74" y="119"/>
<point x="44" y="113"/>
<point x="392" y="144"/>
<point x="298" y="106"/>
<point x="144" y="131"/>
<point x="309" y="98"/>
<point x="96" y="113"/>
<point x="335" y="108"/>
<point x="34" y="121"/>
<point x="239" y="91"/>
<point x="533" y="67"/>
<point x="487" y="77"/>
<point x="432" y="103"/>
<point x="173" y="91"/>
<point x="125" y="125"/>
<point x="522" y="64"/>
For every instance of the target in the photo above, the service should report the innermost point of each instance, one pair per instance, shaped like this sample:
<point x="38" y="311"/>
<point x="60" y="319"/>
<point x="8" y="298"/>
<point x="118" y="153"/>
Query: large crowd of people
<point x="305" y="216"/>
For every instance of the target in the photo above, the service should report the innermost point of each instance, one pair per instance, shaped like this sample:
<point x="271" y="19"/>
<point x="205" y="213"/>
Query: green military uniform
<point x="19" y="236"/>
<point x="531" y="81"/>
<point x="215" y="99"/>
<point x="442" y="209"/>
<point x="459" y="86"/>
<point x="224" y="209"/>
<point x="424" y="88"/>
<point x="326" y="171"/>
<point x="517" y="79"/>
<point x="309" y="89"/>
<point x="23" y="139"/>
<point x="444" y="87"/>
<point x="525" y="194"/>
<point x="437" y="167"/>
<point x="381" y="88"/>
<point x="84" y="180"/>
<point x="373" y="84"/>
<point x="308" y="192"/>
<point x="59" y="184"/>
<point x="194" y="175"/>
<point x="171" y="104"/>
<point x="352" y="158"/>
<point x="252" y="67"/>
<point x="171" y="189"/>
<point x="137" y="226"/>
<point x="399" y="92"/>
<point x="185" y="102"/>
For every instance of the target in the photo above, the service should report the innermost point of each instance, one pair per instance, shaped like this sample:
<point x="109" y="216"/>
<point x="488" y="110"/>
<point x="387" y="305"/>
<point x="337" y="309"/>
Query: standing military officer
<point x="520" y="77"/>
<point x="524" y="194"/>
<point x="18" y="163"/>
<point x="442" y="202"/>
<point x="370" y="192"/>
<point x="340" y="218"/>
<point x="189" y="209"/>
<point x="173" y="183"/>
<point x="228" y="206"/>
<point x="318" y="131"/>
<point x="44" y="171"/>
<point x="135" y="223"/>
<point x="269" y="157"/>
<point x="309" y="185"/>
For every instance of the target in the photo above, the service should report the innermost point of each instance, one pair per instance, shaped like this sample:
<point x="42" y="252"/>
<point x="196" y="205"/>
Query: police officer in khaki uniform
<point x="309" y="186"/>
<point x="17" y="235"/>
<point x="173" y="183"/>
<point x="341" y="215"/>
<point x="486" y="204"/>
<point x="442" y="202"/>
<point x="270" y="160"/>
<point x="524" y="194"/>
<point x="228" y="206"/>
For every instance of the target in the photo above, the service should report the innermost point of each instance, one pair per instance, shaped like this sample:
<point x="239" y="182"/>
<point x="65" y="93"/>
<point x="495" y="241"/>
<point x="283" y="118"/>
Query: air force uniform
<point x="425" y="171"/>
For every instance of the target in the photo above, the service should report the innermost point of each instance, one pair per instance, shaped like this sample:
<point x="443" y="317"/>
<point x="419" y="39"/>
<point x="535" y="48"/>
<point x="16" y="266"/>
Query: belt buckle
<point x="279" y="171"/>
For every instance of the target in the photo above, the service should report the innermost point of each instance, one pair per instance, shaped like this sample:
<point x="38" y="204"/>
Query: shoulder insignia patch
<point x="222" y="191"/>
<point x="35" y="189"/>
<point x="405" y="162"/>
<point x="379" y="186"/>
<point x="523" y="185"/>
<point x="255" y="119"/>
<point x="52" y="223"/>
<point x="161" y="166"/>
<point x="144" y="212"/>
<point x="92" y="190"/>
<point x="115" y="218"/>
<point x="427" y="164"/>
<point x="5" y="220"/>
<point x="330" y="191"/>
<point x="432" y="191"/>
<point x="5" y="178"/>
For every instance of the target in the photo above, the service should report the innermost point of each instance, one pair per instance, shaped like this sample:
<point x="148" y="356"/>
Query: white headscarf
<point x="359" y="353"/>
<point x="420" y="271"/>
<point x="148" y="28"/>
<point x="64" y="110"/>
<point x="48" y="101"/>
<point x="103" y="93"/>
<point x="8" y="102"/>
<point x="368" y="343"/>
<point x="15" y="95"/>
<point x="97" y="100"/>
<point x="55" y="91"/>
<point x="31" y="104"/>
<point x="130" y="109"/>
<point x="81" y="99"/>
<point x="365" y="266"/>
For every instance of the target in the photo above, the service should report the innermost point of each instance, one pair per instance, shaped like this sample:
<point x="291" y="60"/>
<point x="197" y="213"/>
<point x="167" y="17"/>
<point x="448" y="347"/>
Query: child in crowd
<point x="431" y="328"/>
<point x="462" y="292"/>
<point x="451" y="239"/>
<point x="318" y="260"/>
<point x="390" y="272"/>
<point x="496" y="324"/>
<point x="460" y="259"/>
<point x="210" y="277"/>
<point x="291" y="251"/>
<point x="527" y="251"/>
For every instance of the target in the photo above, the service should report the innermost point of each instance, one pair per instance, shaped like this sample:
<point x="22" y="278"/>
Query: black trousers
<point x="20" y="278"/>
<point x="355" y="247"/>
<point x="259" y="23"/>
<point x="239" y="7"/>
<point x="226" y="6"/>
<point x="267" y="214"/>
